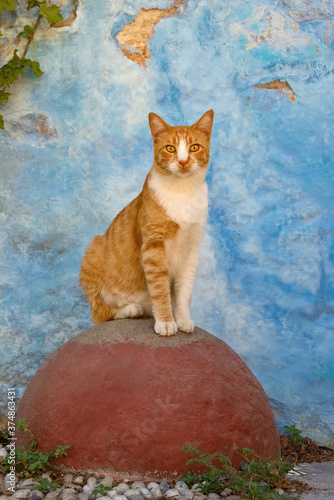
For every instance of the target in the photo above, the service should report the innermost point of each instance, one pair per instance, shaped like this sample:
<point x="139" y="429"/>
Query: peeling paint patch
<point x="277" y="85"/>
<point x="135" y="36"/>
<point x="308" y="10"/>
<point x="33" y="125"/>
<point x="279" y="31"/>
<point x="67" y="21"/>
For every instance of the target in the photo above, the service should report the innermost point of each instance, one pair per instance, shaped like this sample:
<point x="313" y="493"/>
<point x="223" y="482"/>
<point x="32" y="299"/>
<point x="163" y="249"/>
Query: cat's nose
<point x="183" y="162"/>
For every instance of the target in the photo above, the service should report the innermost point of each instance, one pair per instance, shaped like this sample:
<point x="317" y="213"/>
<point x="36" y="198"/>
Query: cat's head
<point x="181" y="151"/>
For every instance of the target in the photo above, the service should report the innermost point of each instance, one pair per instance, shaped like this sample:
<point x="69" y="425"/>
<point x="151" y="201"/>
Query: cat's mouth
<point x="184" y="169"/>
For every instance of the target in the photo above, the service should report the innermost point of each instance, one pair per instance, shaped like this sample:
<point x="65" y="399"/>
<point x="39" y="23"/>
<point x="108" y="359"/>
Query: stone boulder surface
<point x="127" y="401"/>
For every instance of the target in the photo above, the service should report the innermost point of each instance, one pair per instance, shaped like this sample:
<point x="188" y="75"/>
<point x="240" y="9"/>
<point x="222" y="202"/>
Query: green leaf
<point x="4" y="96"/>
<point x="51" y="13"/>
<point x="32" y="3"/>
<point x="11" y="71"/>
<point x="27" y="31"/>
<point x="35" y="67"/>
<point x="7" y="5"/>
<point x="2" y="125"/>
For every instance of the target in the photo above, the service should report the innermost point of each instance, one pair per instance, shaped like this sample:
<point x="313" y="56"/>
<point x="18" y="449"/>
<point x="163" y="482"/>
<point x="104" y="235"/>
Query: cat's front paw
<point x="185" y="325"/>
<point x="165" y="329"/>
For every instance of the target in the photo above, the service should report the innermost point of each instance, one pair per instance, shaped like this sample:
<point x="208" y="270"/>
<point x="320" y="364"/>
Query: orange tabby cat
<point x="150" y="251"/>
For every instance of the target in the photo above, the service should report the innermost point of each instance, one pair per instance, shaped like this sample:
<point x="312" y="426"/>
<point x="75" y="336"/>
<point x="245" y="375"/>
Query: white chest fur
<point x="185" y="200"/>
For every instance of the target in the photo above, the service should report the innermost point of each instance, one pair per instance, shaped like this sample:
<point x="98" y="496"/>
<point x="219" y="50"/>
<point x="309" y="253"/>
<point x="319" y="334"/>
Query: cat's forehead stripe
<point x="182" y="153"/>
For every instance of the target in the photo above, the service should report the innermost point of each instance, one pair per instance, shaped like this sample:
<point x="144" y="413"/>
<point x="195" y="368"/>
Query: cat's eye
<point x="194" y="147"/>
<point x="170" y="149"/>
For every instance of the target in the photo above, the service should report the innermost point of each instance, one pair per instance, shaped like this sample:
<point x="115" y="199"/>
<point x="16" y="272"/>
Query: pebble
<point x="3" y="454"/>
<point x="164" y="486"/>
<point x="36" y="495"/>
<point x="130" y="492"/>
<point x="32" y="496"/>
<point x="226" y="492"/>
<point x="172" y="493"/>
<point x="79" y="480"/>
<point x="90" y="486"/>
<point x="135" y="496"/>
<point x="83" y="496"/>
<point x="69" y="494"/>
<point x="181" y="485"/>
<point x="213" y="496"/>
<point x="121" y="489"/>
<point x="108" y="481"/>
<point x="119" y="497"/>
<point x="9" y="481"/>
<point x="186" y="493"/>
<point x="91" y="482"/>
<point x="68" y="478"/>
<point x="145" y="492"/>
<point x="156" y="492"/>
<point x="47" y="475"/>
<point x="21" y="494"/>
<point x="111" y="493"/>
<point x="152" y="485"/>
<point x="138" y="484"/>
<point x="28" y="482"/>
<point x="52" y="495"/>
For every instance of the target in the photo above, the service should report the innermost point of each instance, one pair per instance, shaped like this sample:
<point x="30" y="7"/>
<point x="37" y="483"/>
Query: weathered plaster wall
<point x="77" y="148"/>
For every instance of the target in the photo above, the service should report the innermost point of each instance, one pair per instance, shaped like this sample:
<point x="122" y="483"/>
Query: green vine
<point x="16" y="66"/>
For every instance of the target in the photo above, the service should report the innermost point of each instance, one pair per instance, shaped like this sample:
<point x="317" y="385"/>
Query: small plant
<point x="256" y="479"/>
<point x="101" y="489"/>
<point x="17" y="65"/>
<point x="207" y="482"/>
<point x="44" y="485"/>
<point x="4" y="441"/>
<point x="210" y="480"/>
<point x="31" y="460"/>
<point x="294" y="435"/>
<point x="262" y="471"/>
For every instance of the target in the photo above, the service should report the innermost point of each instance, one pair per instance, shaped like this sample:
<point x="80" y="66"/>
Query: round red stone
<point x="127" y="401"/>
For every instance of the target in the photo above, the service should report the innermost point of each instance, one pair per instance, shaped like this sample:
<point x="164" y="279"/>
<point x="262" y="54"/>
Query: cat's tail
<point x="90" y="279"/>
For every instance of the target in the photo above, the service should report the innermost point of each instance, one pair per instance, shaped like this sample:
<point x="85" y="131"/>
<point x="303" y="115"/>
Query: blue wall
<point x="265" y="282"/>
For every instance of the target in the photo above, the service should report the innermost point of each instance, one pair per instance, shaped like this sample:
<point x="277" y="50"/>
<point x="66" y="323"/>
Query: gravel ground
<point x="73" y="487"/>
<point x="318" y="478"/>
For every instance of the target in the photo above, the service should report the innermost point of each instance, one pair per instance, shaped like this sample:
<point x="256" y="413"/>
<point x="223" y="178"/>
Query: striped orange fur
<point x="146" y="262"/>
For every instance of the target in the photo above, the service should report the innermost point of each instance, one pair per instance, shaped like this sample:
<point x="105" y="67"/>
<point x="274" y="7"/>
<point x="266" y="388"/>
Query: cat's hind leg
<point x="101" y="311"/>
<point x="130" y="311"/>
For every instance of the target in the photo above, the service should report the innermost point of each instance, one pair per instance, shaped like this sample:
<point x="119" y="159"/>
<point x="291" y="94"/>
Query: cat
<point x="147" y="260"/>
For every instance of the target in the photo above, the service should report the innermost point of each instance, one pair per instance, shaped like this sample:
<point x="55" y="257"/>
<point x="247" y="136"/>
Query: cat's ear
<point x="204" y="124"/>
<point x="157" y="125"/>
